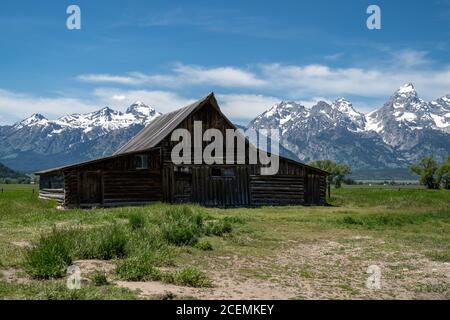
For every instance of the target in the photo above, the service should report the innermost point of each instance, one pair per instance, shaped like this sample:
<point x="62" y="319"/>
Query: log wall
<point x="277" y="190"/>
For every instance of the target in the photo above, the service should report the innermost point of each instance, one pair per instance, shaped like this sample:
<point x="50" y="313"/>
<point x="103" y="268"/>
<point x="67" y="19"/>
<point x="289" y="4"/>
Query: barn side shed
<point x="142" y="172"/>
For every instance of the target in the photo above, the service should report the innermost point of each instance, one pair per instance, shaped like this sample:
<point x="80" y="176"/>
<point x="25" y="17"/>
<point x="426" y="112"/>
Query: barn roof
<point x="162" y="126"/>
<point x="149" y="137"/>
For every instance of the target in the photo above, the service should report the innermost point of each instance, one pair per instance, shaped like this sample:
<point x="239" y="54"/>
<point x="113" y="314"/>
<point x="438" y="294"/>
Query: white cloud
<point x="224" y="76"/>
<point x="244" y="107"/>
<point x="162" y="101"/>
<point x="107" y="78"/>
<point x="16" y="106"/>
<point x="321" y="80"/>
<point x="245" y="93"/>
<point x="300" y="81"/>
<point x="182" y="75"/>
<point x="410" y="58"/>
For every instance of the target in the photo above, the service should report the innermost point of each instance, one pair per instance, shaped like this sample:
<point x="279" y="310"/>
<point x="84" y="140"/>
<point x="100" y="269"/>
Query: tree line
<point x="431" y="174"/>
<point x="337" y="172"/>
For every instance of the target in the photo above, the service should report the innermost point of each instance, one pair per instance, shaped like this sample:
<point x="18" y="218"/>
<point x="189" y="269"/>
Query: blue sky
<point x="251" y="53"/>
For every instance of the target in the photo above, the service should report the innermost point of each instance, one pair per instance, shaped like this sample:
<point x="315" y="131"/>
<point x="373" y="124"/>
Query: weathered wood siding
<point x="51" y="187"/>
<point x="210" y="118"/>
<point x="220" y="190"/>
<point x="114" y="182"/>
<point x="277" y="190"/>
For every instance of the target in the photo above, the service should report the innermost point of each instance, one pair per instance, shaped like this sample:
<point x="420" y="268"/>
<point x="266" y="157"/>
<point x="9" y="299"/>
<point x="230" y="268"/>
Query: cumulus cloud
<point x="239" y="107"/>
<point x="182" y="75"/>
<point x="321" y="80"/>
<point x="243" y="92"/>
<point x="162" y="101"/>
<point x="15" y="106"/>
<point x="245" y="107"/>
<point x="299" y="81"/>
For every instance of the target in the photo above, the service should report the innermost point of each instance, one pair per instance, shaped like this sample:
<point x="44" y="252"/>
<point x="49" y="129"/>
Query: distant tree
<point x="426" y="169"/>
<point x="349" y="181"/>
<point x="443" y="174"/>
<point x="337" y="172"/>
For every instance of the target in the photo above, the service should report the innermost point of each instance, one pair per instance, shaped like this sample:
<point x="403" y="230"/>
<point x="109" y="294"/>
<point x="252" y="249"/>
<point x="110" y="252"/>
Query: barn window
<point x="229" y="173"/>
<point x="223" y="173"/>
<point x="141" y="161"/>
<point x="216" y="172"/>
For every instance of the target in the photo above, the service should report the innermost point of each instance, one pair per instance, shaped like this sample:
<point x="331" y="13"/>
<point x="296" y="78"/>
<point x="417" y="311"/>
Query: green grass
<point x="39" y="290"/>
<point x="144" y="242"/>
<point x="191" y="277"/>
<point x="139" y="268"/>
<point x="50" y="256"/>
<point x="137" y="221"/>
<point x="99" y="278"/>
<point x="138" y="240"/>
<point x="204" y="245"/>
<point x="143" y="247"/>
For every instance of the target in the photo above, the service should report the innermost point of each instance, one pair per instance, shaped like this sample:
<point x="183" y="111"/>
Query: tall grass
<point x="50" y="256"/>
<point x="140" y="247"/>
<point x="137" y="221"/>
<point x="181" y="226"/>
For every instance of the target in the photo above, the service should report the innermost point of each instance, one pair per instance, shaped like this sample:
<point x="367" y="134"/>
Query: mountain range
<point x="389" y="139"/>
<point x="38" y="143"/>
<point x="396" y="135"/>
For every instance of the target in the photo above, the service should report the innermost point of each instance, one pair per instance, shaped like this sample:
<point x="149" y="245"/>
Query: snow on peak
<point x="98" y="122"/>
<point x="345" y="106"/>
<point x="280" y="109"/>
<point x="34" y="120"/>
<point x="406" y="90"/>
<point x="140" y="108"/>
<point x="36" y="117"/>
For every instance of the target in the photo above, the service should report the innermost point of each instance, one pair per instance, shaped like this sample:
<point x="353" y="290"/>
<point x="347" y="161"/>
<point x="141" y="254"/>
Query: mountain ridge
<point x="398" y="133"/>
<point x="404" y="129"/>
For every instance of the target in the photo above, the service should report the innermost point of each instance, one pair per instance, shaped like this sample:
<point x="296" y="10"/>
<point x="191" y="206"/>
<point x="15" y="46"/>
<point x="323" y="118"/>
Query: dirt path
<point x="300" y="270"/>
<point x="322" y="270"/>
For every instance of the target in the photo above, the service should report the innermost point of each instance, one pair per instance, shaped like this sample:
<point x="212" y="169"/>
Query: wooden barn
<point x="142" y="172"/>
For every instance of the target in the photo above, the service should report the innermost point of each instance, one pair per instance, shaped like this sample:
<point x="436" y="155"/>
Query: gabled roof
<point x="149" y="137"/>
<point x="162" y="126"/>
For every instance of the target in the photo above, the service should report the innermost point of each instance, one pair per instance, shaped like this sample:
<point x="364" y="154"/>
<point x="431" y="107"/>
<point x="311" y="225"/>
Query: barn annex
<point x="142" y="172"/>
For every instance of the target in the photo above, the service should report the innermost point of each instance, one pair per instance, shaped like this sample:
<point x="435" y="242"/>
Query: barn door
<point x="312" y="194"/>
<point x="220" y="186"/>
<point x="183" y="185"/>
<point x="90" y="187"/>
<point x="308" y="189"/>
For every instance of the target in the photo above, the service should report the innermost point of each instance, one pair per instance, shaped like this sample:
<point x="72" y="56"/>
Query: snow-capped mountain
<point x="400" y="132"/>
<point x="440" y="112"/>
<point x="404" y="129"/>
<point x="105" y="119"/>
<point x="36" y="142"/>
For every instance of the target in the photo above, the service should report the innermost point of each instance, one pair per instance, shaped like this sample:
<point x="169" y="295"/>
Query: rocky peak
<point x="142" y="111"/>
<point x="36" y="119"/>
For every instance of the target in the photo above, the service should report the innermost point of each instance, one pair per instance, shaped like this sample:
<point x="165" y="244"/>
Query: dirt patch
<point x="22" y="244"/>
<point x="90" y="266"/>
<point x="316" y="270"/>
<point x="13" y="275"/>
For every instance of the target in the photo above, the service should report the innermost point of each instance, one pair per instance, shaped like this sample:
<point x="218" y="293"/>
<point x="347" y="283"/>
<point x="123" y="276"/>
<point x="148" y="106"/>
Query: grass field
<point x="169" y="252"/>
